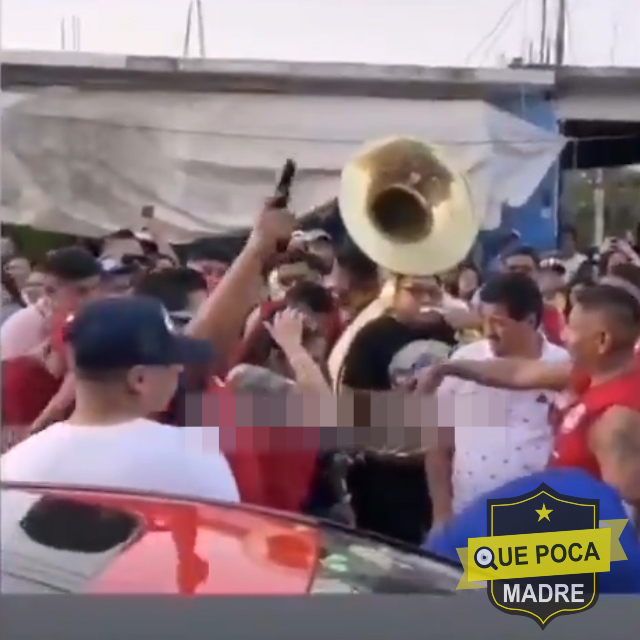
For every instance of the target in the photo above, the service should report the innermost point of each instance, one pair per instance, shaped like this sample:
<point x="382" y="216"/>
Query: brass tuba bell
<point x="410" y="213"/>
<point x="406" y="208"/>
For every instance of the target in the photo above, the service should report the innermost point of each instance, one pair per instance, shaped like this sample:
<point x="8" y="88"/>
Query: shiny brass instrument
<point x="410" y="212"/>
<point x="406" y="208"/>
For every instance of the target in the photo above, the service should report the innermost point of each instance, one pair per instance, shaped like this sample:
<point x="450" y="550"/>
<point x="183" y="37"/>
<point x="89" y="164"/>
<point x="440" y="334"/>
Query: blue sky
<point x="427" y="32"/>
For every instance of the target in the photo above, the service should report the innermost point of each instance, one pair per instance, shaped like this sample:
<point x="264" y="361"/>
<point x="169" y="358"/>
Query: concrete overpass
<point x="22" y="69"/>
<point x="112" y="72"/>
<point x="589" y="103"/>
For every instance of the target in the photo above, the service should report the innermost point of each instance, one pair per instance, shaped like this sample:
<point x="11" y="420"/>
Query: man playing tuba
<point x="411" y="215"/>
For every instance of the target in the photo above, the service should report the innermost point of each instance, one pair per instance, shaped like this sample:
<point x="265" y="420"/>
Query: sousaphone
<point x="410" y="212"/>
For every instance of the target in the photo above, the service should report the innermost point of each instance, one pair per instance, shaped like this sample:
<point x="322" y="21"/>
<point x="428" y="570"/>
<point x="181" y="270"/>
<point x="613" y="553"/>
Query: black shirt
<point x="390" y="495"/>
<point x="366" y="366"/>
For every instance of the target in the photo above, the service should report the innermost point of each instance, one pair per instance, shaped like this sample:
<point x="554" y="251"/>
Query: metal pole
<point x="201" y="36"/>
<point x="76" y="33"/>
<point x="543" y="33"/>
<point x="187" y="33"/>
<point x="599" y="206"/>
<point x="561" y="29"/>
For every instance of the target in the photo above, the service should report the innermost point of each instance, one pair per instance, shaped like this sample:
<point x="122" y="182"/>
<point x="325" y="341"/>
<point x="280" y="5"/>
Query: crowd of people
<point x="128" y="366"/>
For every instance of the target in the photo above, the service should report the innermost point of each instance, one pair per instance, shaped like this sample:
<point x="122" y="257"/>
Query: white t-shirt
<point x="141" y="455"/>
<point x="500" y="435"/>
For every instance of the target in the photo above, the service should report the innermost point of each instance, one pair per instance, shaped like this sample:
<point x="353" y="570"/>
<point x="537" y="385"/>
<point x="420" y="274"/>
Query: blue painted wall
<point x="537" y="219"/>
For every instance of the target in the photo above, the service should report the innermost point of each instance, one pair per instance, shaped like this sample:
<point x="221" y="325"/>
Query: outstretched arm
<point x="503" y="373"/>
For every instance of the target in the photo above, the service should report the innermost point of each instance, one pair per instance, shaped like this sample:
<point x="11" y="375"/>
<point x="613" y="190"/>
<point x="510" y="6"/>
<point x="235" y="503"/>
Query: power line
<point x="502" y="20"/>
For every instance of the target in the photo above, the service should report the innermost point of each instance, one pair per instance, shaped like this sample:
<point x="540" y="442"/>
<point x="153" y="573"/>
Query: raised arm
<point x="224" y="314"/>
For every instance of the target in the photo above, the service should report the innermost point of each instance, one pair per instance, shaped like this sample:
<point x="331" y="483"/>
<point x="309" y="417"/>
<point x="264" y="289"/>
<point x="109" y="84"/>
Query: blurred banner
<point x="85" y="162"/>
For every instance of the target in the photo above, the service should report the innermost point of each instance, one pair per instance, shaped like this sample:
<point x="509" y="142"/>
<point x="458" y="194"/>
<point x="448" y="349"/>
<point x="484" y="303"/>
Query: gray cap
<point x="417" y="355"/>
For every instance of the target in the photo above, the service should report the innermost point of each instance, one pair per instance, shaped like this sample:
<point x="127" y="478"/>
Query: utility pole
<point x="75" y="27"/>
<point x="561" y="30"/>
<point x="599" y="206"/>
<point x="195" y="7"/>
<point x="543" y="34"/>
<point x="73" y="42"/>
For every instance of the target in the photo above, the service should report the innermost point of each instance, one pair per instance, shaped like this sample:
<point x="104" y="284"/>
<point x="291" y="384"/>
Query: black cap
<point x="120" y="333"/>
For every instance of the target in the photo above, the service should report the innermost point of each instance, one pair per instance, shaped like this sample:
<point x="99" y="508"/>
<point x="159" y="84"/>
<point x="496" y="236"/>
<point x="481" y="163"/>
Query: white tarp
<point x="85" y="162"/>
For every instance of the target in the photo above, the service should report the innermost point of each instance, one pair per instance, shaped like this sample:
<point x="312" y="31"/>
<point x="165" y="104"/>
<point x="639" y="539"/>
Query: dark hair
<point x="209" y="249"/>
<point x="121" y="234"/>
<point x="523" y="250"/>
<point x="517" y="293"/>
<point x="353" y="260"/>
<point x="311" y="295"/>
<point x="172" y="287"/>
<point x="623" y="307"/>
<point x="72" y="264"/>
<point x="585" y="270"/>
<point x="581" y="280"/>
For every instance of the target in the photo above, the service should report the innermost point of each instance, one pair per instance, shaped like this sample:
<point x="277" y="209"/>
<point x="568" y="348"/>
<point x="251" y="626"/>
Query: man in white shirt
<point x="498" y="435"/>
<point x="126" y="361"/>
<point x="570" y="257"/>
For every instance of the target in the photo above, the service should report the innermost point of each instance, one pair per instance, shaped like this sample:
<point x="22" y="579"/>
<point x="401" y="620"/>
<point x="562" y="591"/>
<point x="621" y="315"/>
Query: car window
<point x="56" y="545"/>
<point x="354" y="564"/>
<point x="82" y="543"/>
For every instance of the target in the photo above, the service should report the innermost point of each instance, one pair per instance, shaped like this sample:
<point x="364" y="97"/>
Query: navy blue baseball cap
<point x="120" y="333"/>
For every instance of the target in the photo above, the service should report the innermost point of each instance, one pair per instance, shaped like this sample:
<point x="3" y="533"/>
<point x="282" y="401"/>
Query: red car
<point x="68" y="540"/>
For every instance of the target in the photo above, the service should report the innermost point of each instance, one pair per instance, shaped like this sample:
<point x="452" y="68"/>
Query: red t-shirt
<point x="553" y="324"/>
<point x="27" y="388"/>
<point x="579" y="408"/>
<point x="273" y="466"/>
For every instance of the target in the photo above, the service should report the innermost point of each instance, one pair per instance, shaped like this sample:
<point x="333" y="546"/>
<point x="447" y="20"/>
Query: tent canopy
<point x="85" y="162"/>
